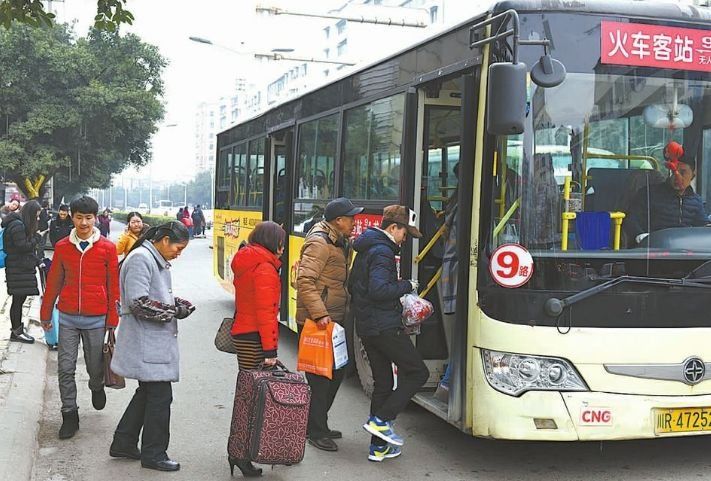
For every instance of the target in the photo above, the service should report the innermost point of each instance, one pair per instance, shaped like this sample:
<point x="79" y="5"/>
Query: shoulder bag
<point x="223" y="338"/>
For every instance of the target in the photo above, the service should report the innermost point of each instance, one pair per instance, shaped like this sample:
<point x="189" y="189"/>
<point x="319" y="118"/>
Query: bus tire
<point x="365" y="374"/>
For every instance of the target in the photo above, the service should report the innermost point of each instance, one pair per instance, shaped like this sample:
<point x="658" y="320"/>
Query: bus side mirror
<point x="548" y="72"/>
<point x="506" y="95"/>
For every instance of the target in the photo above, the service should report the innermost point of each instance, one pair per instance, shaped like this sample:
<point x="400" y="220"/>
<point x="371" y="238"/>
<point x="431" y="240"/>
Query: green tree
<point x="198" y="190"/>
<point x="76" y="109"/>
<point x="110" y="14"/>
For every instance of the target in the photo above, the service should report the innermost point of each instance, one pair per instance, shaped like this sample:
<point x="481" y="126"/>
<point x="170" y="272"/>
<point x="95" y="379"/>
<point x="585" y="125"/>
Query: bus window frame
<point x="249" y="181"/>
<point x="426" y="149"/>
<point x="295" y="199"/>
<point x="233" y="205"/>
<point x="229" y="152"/>
<point x="372" y="203"/>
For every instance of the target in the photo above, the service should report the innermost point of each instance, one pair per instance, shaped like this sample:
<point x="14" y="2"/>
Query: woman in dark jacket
<point x="20" y="245"/>
<point x="198" y="221"/>
<point x="104" y="220"/>
<point x="255" y="332"/>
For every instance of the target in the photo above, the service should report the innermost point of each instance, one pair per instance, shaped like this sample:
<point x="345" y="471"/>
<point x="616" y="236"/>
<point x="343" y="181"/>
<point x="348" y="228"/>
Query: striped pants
<point x="249" y="350"/>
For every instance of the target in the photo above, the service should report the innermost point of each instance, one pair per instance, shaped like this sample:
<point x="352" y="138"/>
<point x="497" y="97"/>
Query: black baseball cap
<point x="341" y="207"/>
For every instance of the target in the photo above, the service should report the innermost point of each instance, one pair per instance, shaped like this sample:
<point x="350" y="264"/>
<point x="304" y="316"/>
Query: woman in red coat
<point x="255" y="331"/>
<point x="257" y="294"/>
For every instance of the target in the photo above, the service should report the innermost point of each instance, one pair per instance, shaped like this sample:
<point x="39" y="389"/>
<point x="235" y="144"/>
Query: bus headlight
<point x="514" y="374"/>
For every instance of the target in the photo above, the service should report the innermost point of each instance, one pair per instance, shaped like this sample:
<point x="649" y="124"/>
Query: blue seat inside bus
<point x="610" y="190"/>
<point x="593" y="230"/>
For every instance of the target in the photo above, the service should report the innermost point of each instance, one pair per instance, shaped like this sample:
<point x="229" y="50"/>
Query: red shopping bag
<point x="316" y="349"/>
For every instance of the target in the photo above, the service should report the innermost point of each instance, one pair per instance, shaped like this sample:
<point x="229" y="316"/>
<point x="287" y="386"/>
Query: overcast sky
<point x="198" y="72"/>
<point x="195" y="72"/>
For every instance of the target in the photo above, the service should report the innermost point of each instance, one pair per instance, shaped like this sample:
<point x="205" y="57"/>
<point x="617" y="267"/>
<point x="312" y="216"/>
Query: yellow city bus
<point x="544" y="123"/>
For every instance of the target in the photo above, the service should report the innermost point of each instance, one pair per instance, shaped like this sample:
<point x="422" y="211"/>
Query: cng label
<point x="596" y="416"/>
<point x="511" y="265"/>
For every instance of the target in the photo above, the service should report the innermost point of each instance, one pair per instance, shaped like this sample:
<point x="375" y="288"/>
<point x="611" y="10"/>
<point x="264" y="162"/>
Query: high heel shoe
<point x="246" y="467"/>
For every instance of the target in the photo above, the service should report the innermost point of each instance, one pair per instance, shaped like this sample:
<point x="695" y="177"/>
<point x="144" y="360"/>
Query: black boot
<point x="98" y="399"/>
<point x="70" y="424"/>
<point x="246" y="467"/>
<point x="19" y="335"/>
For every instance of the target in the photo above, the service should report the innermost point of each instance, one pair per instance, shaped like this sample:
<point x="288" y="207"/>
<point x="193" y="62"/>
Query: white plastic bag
<point x="340" y="348"/>
<point x="415" y="310"/>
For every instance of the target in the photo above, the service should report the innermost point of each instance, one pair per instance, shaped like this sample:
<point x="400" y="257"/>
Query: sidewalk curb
<point x="21" y="404"/>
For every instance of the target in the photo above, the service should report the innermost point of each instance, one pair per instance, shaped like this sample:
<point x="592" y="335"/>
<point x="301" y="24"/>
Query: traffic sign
<point x="511" y="265"/>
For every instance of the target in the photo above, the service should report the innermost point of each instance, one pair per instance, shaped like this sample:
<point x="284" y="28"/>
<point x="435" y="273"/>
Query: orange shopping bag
<point x="316" y="349"/>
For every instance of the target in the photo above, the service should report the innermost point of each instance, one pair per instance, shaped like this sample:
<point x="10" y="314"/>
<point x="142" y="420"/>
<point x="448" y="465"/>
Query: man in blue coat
<point x="670" y="204"/>
<point x="376" y="289"/>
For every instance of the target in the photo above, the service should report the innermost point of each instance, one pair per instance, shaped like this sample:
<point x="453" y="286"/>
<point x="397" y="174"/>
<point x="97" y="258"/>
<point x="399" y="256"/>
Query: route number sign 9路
<point x="511" y="265"/>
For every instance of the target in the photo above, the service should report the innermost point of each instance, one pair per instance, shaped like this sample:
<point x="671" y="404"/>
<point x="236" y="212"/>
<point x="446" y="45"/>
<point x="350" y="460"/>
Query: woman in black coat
<point x="20" y="245"/>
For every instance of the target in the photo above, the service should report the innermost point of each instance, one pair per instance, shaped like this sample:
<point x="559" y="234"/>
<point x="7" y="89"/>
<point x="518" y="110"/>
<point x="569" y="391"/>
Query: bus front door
<point x="279" y="200"/>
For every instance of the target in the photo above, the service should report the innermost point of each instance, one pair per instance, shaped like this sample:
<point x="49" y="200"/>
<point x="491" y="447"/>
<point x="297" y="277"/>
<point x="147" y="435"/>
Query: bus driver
<point x="672" y="203"/>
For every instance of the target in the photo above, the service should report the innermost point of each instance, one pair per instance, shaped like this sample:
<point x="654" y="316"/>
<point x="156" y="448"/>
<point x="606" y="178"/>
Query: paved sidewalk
<point x="23" y="373"/>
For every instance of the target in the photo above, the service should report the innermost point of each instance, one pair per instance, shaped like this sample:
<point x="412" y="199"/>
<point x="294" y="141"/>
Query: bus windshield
<point x="599" y="169"/>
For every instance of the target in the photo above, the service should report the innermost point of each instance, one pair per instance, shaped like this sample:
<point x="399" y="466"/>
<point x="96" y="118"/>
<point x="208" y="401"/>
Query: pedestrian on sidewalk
<point x="62" y="226"/>
<point x="45" y="217"/>
<point x="105" y="223"/>
<point x="376" y="288"/>
<point x="147" y="345"/>
<point x="134" y="229"/>
<point x="255" y="332"/>
<point x="20" y="245"/>
<point x="84" y="276"/>
<point x="198" y="221"/>
<point x="10" y="207"/>
<point x="322" y="297"/>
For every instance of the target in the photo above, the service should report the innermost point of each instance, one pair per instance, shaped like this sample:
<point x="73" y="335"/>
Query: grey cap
<point x="341" y="207"/>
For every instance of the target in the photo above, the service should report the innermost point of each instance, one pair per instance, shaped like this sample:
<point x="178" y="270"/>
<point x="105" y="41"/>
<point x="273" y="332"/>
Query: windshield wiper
<point x="554" y="306"/>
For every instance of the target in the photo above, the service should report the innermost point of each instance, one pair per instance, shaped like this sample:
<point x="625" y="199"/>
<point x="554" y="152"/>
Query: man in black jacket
<point x="670" y="204"/>
<point x="43" y="225"/>
<point x="62" y="226"/>
<point x="376" y="288"/>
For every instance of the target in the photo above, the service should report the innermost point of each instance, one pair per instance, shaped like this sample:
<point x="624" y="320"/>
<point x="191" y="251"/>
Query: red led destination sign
<point x="636" y="44"/>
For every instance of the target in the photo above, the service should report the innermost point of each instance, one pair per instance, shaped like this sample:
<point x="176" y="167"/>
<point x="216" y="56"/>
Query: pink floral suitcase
<point x="269" y="418"/>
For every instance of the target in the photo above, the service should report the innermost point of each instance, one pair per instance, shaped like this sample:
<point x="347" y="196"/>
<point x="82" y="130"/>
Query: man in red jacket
<point x="84" y="275"/>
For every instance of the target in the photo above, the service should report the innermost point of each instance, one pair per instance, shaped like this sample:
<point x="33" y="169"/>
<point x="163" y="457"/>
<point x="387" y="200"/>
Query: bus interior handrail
<point x="500" y="226"/>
